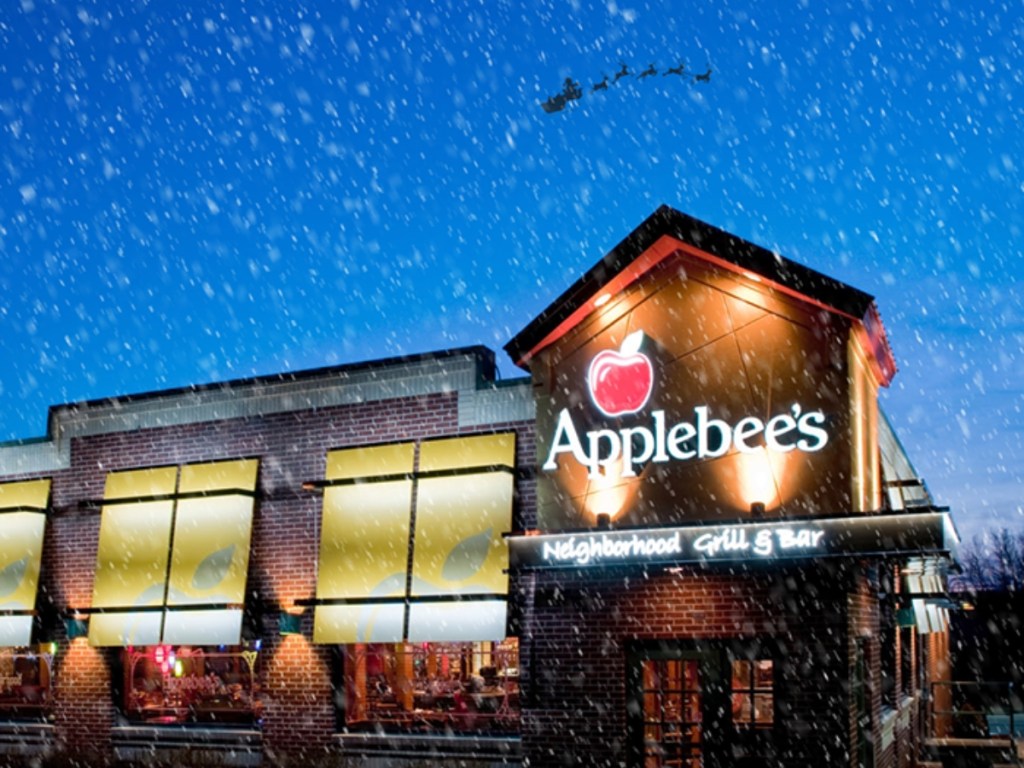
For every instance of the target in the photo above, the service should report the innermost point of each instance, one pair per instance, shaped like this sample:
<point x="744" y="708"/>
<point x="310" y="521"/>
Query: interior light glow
<point x="601" y="300"/>
<point x="608" y="493"/>
<point x="757" y="477"/>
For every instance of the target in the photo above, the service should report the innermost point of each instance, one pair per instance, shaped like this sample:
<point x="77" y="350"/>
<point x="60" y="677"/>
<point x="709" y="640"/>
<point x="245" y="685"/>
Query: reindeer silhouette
<point x="601" y="86"/>
<point x="622" y="72"/>
<point x="647" y="72"/>
<point x="703" y="78"/>
<point x="674" y="70"/>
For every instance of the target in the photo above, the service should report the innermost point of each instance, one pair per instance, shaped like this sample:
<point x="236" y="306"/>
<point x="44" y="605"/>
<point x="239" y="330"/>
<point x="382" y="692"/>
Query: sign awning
<point x="919" y="533"/>
<point x="410" y="536"/>
<point x="23" y="508"/>
<point x="173" y="555"/>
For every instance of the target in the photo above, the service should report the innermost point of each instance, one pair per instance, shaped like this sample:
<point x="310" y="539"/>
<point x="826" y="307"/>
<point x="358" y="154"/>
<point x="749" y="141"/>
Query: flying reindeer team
<point x="571" y="90"/>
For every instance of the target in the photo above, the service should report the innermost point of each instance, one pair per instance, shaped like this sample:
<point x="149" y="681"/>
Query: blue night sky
<point x="195" y="192"/>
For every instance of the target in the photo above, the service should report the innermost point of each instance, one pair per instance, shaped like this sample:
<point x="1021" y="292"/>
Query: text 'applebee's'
<point x="602" y="451"/>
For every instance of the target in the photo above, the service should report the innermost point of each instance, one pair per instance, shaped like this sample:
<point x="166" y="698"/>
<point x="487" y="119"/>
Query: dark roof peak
<point x="667" y="231"/>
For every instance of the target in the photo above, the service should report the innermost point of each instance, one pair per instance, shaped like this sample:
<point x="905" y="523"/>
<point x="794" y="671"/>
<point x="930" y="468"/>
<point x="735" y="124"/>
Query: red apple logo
<point x="621" y="380"/>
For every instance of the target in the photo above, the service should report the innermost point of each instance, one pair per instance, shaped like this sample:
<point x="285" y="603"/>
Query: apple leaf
<point x="12" y="575"/>
<point x="213" y="568"/>
<point x="467" y="557"/>
<point x="631" y="344"/>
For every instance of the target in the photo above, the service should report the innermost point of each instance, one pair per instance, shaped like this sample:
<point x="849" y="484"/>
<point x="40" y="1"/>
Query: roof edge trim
<point x="668" y="231"/>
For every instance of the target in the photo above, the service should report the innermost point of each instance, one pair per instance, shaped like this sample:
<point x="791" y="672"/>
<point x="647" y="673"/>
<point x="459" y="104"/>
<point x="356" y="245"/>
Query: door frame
<point x="723" y="745"/>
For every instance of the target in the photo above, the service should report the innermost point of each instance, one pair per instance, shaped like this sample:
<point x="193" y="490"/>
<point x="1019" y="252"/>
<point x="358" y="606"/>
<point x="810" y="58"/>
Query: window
<point x="23" y="508"/>
<point x="907" y="642"/>
<point x="173" y="555"/>
<point x="888" y="630"/>
<point x="753" y="696"/>
<point x="213" y="685"/>
<point x="432" y="687"/>
<point x="25" y="681"/>
<point x="433" y="570"/>
<point x="413" y="583"/>
<point x="673" y="712"/>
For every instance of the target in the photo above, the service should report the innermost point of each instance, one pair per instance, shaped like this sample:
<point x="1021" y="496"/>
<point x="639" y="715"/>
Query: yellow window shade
<point x="459" y="547"/>
<point x="364" y="539"/>
<point x="33" y="494"/>
<point x="21" y="542"/>
<point x="21" y="552"/>
<point x="131" y="563"/>
<point x="219" y="476"/>
<point x="212" y="534"/>
<point x="369" y="623"/>
<point x="364" y="543"/>
<point x="457" y="622"/>
<point x="211" y="550"/>
<point x="15" y="631"/>
<point x="462" y="452"/>
<point x="371" y="461"/>
<point x="203" y="627"/>
<point x="120" y="629"/>
<point x="141" y="483"/>
<point x="207" y="556"/>
<point x="460" y="519"/>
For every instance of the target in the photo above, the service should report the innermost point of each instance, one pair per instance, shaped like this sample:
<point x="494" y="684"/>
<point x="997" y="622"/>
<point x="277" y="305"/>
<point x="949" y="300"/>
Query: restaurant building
<point x="688" y="537"/>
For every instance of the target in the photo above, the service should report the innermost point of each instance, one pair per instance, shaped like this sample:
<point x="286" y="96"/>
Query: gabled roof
<point x="667" y="232"/>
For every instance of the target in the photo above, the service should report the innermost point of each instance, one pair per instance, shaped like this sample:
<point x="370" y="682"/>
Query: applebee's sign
<point x="620" y="384"/>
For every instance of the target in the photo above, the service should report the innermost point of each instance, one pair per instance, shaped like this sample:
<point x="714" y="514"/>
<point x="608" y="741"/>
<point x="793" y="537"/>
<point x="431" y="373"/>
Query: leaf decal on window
<point x="12" y="575"/>
<point x="214" y="567"/>
<point x="151" y="595"/>
<point x="391" y="585"/>
<point x="467" y="557"/>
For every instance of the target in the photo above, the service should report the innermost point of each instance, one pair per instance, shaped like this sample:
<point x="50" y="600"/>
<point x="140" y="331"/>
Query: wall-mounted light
<point x="603" y="521"/>
<point x="76" y="627"/>
<point x="757" y="509"/>
<point x="289" y="624"/>
<point x="601" y="300"/>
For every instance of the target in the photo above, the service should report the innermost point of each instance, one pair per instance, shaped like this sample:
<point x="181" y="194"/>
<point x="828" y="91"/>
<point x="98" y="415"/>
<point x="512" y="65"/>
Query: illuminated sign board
<point x="620" y="383"/>
<point x="928" y="532"/>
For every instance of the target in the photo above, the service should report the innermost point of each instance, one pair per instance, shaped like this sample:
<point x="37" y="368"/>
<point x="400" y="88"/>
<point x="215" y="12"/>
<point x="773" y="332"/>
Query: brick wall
<point x="575" y="648"/>
<point x="865" y="632"/>
<point x="295" y="675"/>
<point x="82" y="706"/>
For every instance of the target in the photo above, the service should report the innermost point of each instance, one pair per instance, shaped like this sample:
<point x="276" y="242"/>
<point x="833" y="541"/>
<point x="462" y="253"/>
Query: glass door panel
<point x="672" y="713"/>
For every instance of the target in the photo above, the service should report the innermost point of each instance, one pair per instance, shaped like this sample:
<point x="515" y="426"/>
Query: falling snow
<point x="194" y="194"/>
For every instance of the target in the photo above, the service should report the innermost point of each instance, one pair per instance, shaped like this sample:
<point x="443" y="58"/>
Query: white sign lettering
<point x="764" y="542"/>
<point x="591" y="549"/>
<point x="704" y="438"/>
<point x="726" y="543"/>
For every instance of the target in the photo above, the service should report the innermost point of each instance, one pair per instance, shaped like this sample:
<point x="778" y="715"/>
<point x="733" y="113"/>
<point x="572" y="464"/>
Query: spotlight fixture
<point x="76" y="627"/>
<point x="289" y="624"/>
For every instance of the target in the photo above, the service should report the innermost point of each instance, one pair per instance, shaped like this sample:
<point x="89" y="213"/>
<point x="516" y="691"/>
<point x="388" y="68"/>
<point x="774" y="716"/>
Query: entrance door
<point x="676" y="709"/>
<point x="700" y="705"/>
